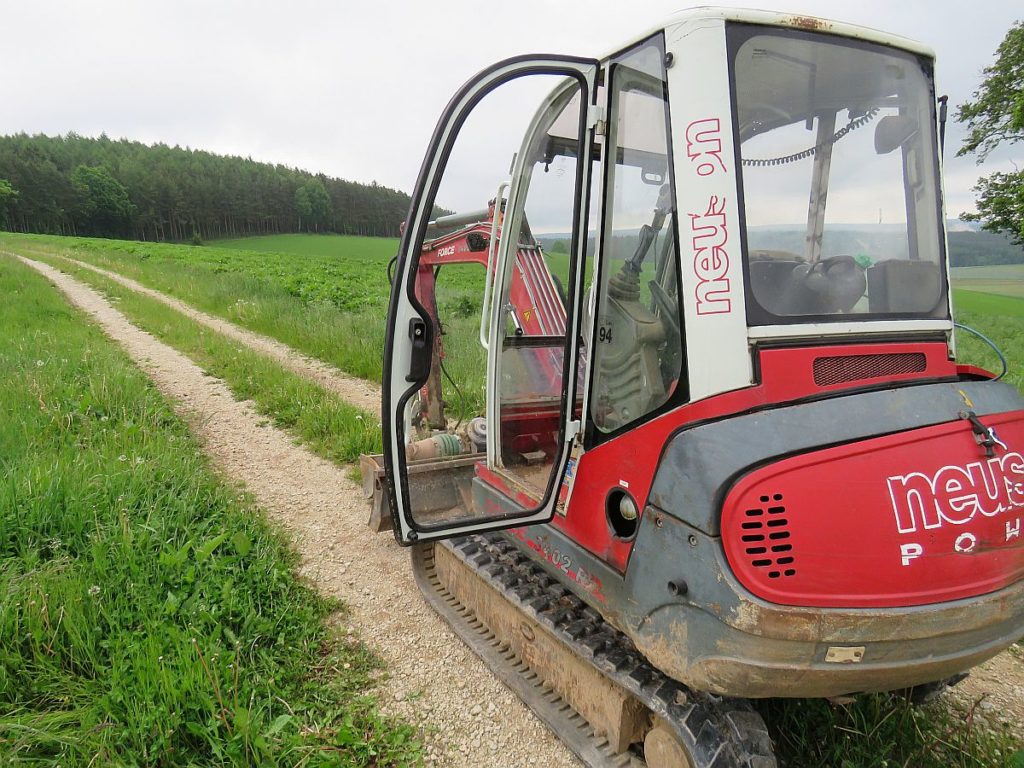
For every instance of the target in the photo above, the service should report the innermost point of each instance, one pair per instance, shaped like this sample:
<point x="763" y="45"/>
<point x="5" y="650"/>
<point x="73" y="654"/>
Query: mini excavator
<point x="713" y="441"/>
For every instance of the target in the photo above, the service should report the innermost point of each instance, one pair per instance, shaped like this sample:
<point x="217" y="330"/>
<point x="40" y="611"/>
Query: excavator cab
<point x="706" y="387"/>
<point x="600" y="306"/>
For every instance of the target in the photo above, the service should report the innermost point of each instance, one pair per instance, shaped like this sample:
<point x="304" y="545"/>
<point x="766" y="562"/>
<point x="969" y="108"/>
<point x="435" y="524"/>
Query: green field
<point x="303" y="298"/>
<point x="320" y="246"/>
<point x="1005" y="279"/>
<point x="326" y="295"/>
<point x="150" y="614"/>
<point x="328" y="299"/>
<point x="320" y="419"/>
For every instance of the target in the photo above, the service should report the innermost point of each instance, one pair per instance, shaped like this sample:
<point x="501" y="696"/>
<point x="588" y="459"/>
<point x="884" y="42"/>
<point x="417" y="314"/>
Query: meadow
<point x="326" y="295"/>
<point x="150" y="613"/>
<point x="327" y="298"/>
<point x="298" y="289"/>
<point x="1002" y="280"/>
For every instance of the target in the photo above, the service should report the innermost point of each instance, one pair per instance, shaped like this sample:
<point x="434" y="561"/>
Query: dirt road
<point x="360" y="393"/>
<point x="435" y="681"/>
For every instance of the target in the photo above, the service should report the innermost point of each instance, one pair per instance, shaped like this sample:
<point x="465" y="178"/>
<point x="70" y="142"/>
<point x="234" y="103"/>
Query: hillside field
<point x="1004" y="280"/>
<point x="326" y="295"/>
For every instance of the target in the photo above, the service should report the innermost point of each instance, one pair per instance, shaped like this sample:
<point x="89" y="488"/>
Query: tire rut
<point x="434" y="681"/>
<point x="359" y="392"/>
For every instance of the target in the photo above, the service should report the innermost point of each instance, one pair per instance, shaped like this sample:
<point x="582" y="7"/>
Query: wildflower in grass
<point x="122" y="457"/>
<point x="40" y="363"/>
<point x="94" y="590"/>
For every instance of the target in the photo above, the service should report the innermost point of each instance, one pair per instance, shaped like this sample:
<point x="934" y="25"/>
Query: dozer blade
<point x="582" y="678"/>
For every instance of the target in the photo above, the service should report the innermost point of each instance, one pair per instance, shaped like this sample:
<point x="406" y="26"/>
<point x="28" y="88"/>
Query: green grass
<point x="1004" y="279"/>
<point x="874" y="731"/>
<point x="1001" y="318"/>
<point x="329" y="246"/>
<point x="885" y="731"/>
<point x="331" y="307"/>
<point x="149" y="614"/>
<point x="320" y="419"/>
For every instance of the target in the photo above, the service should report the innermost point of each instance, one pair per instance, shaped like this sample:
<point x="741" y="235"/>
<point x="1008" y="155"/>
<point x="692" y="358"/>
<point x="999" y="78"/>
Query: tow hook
<point x="984" y="436"/>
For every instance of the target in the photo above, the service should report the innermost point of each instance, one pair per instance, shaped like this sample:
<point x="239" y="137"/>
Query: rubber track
<point x="718" y="732"/>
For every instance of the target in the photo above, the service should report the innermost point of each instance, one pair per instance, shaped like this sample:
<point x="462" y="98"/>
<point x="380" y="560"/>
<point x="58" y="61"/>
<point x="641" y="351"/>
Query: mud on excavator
<point x="709" y="440"/>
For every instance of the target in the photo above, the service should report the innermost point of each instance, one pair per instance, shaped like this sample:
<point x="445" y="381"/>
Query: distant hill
<point x="983" y="249"/>
<point x="969" y="246"/>
<point x="73" y="185"/>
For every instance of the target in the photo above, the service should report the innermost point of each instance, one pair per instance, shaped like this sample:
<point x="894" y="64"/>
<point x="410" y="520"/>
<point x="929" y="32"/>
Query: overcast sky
<point x="354" y="89"/>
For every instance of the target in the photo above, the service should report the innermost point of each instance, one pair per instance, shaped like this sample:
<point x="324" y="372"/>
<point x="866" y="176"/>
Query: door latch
<point x="419" y="363"/>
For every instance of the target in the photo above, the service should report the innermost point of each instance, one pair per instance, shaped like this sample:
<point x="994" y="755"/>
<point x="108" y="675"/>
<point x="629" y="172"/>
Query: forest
<point x="76" y="185"/>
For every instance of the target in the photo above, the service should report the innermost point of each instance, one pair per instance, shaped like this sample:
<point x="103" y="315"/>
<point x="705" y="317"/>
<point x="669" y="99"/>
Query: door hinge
<point x="596" y="120"/>
<point x="572" y="428"/>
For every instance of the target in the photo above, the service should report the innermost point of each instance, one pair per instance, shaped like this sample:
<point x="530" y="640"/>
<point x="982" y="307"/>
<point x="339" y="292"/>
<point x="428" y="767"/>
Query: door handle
<point x="419" y="364"/>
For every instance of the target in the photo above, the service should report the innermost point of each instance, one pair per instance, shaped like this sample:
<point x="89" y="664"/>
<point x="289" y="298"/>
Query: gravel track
<point x="358" y="392"/>
<point x="470" y="718"/>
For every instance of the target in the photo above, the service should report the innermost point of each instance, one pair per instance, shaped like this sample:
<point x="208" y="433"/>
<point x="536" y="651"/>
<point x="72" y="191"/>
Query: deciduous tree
<point x="995" y="117"/>
<point x="8" y="195"/>
<point x="103" y="203"/>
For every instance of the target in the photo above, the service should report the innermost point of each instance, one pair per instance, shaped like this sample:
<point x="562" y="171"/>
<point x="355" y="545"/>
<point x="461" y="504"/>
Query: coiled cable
<point x="867" y="117"/>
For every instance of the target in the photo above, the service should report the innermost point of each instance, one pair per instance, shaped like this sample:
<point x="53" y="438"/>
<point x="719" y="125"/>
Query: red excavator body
<point x="711" y="436"/>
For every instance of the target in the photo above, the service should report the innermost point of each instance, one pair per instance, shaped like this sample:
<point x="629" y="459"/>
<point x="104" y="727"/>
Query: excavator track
<point x="662" y="724"/>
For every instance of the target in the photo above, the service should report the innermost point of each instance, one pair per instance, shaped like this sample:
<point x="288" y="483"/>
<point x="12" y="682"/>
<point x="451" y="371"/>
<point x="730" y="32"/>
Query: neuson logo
<point x="957" y="495"/>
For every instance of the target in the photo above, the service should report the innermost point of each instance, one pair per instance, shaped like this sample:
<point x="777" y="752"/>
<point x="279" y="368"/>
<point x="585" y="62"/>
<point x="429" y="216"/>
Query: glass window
<point x="637" y="345"/>
<point x="839" y="174"/>
<point x="532" y="385"/>
<point x="445" y="422"/>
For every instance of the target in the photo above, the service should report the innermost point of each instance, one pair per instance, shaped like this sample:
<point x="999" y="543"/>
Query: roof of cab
<point x="684" y="18"/>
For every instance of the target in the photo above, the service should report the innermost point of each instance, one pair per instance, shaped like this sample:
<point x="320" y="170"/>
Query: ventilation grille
<point x="766" y="538"/>
<point x="838" y="370"/>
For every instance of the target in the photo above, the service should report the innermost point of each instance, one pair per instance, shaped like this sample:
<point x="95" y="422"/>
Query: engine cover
<point x="913" y="518"/>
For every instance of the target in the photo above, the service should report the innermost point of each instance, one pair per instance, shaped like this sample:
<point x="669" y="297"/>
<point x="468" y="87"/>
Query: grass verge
<point x="886" y="731"/>
<point x="1001" y="318"/>
<point x="320" y="419"/>
<point x="150" y="615"/>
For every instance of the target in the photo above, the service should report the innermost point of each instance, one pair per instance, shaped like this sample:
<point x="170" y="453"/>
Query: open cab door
<point x="498" y="461"/>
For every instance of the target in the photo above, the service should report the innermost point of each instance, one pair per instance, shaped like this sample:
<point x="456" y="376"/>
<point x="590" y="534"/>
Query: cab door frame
<point x="409" y="335"/>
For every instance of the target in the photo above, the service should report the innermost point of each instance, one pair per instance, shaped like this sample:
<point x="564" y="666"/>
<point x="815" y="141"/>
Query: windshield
<point x="839" y="178"/>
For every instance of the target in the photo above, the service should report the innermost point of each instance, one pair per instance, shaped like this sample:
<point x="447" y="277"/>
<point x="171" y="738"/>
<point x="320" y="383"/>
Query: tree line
<point x="76" y="185"/>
